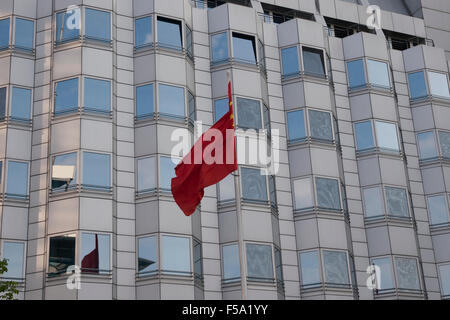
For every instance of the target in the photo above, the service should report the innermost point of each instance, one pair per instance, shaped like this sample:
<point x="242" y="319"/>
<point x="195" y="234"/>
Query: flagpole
<point x="237" y="195"/>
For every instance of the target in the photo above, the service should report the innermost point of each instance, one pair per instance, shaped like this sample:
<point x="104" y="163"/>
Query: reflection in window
<point x="296" y="125"/>
<point x="191" y="107"/>
<point x="21" y="104"/>
<point x="437" y="207"/>
<point x="249" y="113"/>
<point x="385" y="279"/>
<point x="407" y="273"/>
<point x="397" y="202"/>
<point x="226" y="189"/>
<point x="364" y="136"/>
<point x="254" y="185"/>
<point x="171" y="101"/>
<point x="313" y="61"/>
<point x="244" y="48"/>
<point x="444" y="275"/>
<point x="289" y="60"/>
<point x="66" y="96"/>
<point x="147" y="256"/>
<point x="378" y="73"/>
<point x="96" y="171"/>
<point x="176" y="255"/>
<point x="373" y="202"/>
<point x="146" y="178"/>
<point x="336" y="267"/>
<point x="69" y="159"/>
<point x="444" y="141"/>
<point x="266" y="118"/>
<point x="328" y="194"/>
<point x="438" y="84"/>
<point x="303" y="196"/>
<point x="198" y="267"/>
<point x="259" y="262"/>
<point x="427" y="145"/>
<point x="62" y="254"/>
<point x="231" y="263"/>
<point x="356" y="74"/>
<point x="144" y="32"/>
<point x="278" y="265"/>
<point x="310" y="268"/>
<point x="98" y="25"/>
<point x="169" y="33"/>
<point x="261" y="53"/>
<point x="97" y="95"/>
<point x="1" y="173"/>
<point x="4" y="34"/>
<point x="17" y="185"/>
<point x="417" y="85"/>
<point x="189" y="42"/>
<point x="219" y="47"/>
<point x="144" y="101"/>
<point x="24" y="34"/>
<point x="13" y="252"/>
<point x="63" y="33"/>
<point x="387" y="136"/>
<point x="167" y="172"/>
<point x="320" y="125"/>
<point x="95" y="253"/>
<point x="272" y="191"/>
<point x="220" y="108"/>
<point x="2" y="103"/>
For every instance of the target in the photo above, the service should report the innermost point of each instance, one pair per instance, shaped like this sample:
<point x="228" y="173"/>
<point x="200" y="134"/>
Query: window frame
<point x="439" y="144"/>
<point x="368" y="84"/>
<point x="427" y="80"/>
<point x="418" y="269"/>
<point x="158" y="166"/>
<point x="83" y="25"/>
<point x="191" y="256"/>
<point x="426" y="77"/>
<point x="83" y="94"/>
<point x="324" y="64"/>
<point x="388" y="69"/>
<point x="7" y="98"/>
<point x="445" y="264"/>
<point x="383" y="199"/>
<point x="236" y="112"/>
<point x="150" y="115"/>
<point x="222" y="266"/>
<point x="79" y="94"/>
<point x="167" y="116"/>
<point x="408" y="202"/>
<point x="10" y="35"/>
<point x="89" y="188"/>
<point x="393" y="273"/>
<point x="255" y="47"/>
<point x="140" y="275"/>
<point x="299" y="63"/>
<point x="316" y="203"/>
<point x="13" y="38"/>
<point x="146" y="192"/>
<point x="253" y="201"/>
<point x="447" y="204"/>
<point x="229" y="55"/>
<point x="366" y="78"/>
<point x="305" y="126"/>
<point x="24" y="259"/>
<point x="436" y="145"/>
<point x="311" y="187"/>
<point x="149" y="45"/>
<point x="399" y="142"/>
<point x="74" y="234"/>
<point x="169" y="19"/>
<point x="332" y="128"/>
<point x="55" y="28"/>
<point x="272" y="254"/>
<point x="27" y="185"/>
<point x="10" y="102"/>
<point x="78" y="249"/>
<point x="321" y="276"/>
<point x="77" y="171"/>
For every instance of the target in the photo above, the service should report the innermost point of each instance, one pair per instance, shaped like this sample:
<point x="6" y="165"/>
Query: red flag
<point x="217" y="150"/>
<point x="90" y="262"/>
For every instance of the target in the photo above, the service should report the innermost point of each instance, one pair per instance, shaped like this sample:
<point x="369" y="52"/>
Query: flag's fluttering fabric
<point x="211" y="159"/>
<point x="90" y="262"/>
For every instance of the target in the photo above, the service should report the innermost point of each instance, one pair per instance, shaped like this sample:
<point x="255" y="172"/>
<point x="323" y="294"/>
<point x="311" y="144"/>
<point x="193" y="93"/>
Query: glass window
<point x="17" y="185"/>
<point x="14" y="253"/>
<point x="266" y="117"/>
<point x="21" y="104"/>
<point x="171" y="101"/>
<point x="427" y="145"/>
<point x="310" y="268"/>
<point x="303" y="196"/>
<point x="407" y="274"/>
<point x="69" y="159"/>
<point x="336" y="267"/>
<point x="62" y="254"/>
<point x="95" y="253"/>
<point x="437" y="206"/>
<point x="2" y="103"/>
<point x="244" y="48"/>
<point x="96" y="170"/>
<point x="444" y="274"/>
<point x="97" y="95"/>
<point x="296" y="125"/>
<point x="169" y="33"/>
<point x="387" y="135"/>
<point x="272" y="191"/>
<point x="221" y="107"/>
<point x="147" y="255"/>
<point x="64" y="33"/>
<point x="189" y="42"/>
<point x="219" y="47"/>
<point x="144" y="32"/>
<point x="1" y="172"/>
<point x="328" y="194"/>
<point x="191" y="106"/>
<point x="378" y="73"/>
<point x="167" y="172"/>
<point x="66" y="96"/>
<point x="278" y="265"/>
<point x="198" y="267"/>
<point x="385" y="279"/>
<point x="4" y="34"/>
<point x="24" y="34"/>
<point x="417" y="85"/>
<point x="144" y="101"/>
<point x="231" y="262"/>
<point x="254" y="185"/>
<point x="289" y="60"/>
<point x="261" y="53"/>
<point x="259" y="261"/>
<point x="313" y="61"/>
<point x="98" y="25"/>
<point x="176" y="255"/>
<point x="444" y="141"/>
<point x="146" y="171"/>
<point x="226" y="188"/>
<point x="356" y="74"/>
<point x="364" y="136"/>
<point x="373" y="202"/>
<point x="320" y="125"/>
<point x="397" y="202"/>
<point x="249" y="113"/>
<point x="438" y="84"/>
